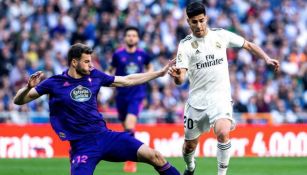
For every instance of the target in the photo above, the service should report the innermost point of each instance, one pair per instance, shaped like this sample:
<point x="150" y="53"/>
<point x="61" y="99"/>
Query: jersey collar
<point x="204" y="37"/>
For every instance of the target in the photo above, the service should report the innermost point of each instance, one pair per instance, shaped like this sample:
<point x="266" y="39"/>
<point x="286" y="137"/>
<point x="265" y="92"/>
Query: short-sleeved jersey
<point x="73" y="103"/>
<point x="207" y="67"/>
<point x="129" y="63"/>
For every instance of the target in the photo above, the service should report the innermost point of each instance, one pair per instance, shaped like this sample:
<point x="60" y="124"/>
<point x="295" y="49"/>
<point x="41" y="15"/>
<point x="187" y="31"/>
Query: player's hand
<point x="274" y="63"/>
<point x="166" y="68"/>
<point x="174" y="72"/>
<point x="35" y="79"/>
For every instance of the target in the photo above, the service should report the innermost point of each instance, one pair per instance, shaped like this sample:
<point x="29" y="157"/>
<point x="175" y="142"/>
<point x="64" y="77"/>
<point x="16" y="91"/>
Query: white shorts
<point x="197" y="121"/>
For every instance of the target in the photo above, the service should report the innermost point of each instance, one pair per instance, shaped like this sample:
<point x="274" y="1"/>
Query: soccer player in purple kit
<point x="126" y="61"/>
<point x="74" y="115"/>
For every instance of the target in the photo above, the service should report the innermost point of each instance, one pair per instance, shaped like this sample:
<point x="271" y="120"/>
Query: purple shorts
<point x="124" y="107"/>
<point x="109" y="146"/>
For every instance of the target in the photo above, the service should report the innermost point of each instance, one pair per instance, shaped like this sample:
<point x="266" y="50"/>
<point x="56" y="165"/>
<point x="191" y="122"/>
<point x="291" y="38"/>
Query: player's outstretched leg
<point x="188" y="153"/>
<point x="153" y="157"/>
<point x="222" y="129"/>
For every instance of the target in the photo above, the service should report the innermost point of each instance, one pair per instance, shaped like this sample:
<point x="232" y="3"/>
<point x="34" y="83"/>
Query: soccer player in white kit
<point x="202" y="55"/>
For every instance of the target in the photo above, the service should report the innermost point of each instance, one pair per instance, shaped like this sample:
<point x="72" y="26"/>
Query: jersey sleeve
<point x="147" y="57"/>
<point x="182" y="56"/>
<point x="44" y="87"/>
<point x="105" y="80"/>
<point x="114" y="61"/>
<point x="233" y="39"/>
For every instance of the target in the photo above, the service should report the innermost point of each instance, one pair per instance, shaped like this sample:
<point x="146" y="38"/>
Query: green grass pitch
<point x="205" y="166"/>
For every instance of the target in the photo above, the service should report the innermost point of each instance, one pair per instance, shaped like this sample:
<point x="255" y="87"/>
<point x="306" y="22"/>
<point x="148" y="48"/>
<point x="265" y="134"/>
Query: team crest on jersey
<point x="194" y="44"/>
<point x="132" y="68"/>
<point x="218" y="45"/>
<point x="81" y="94"/>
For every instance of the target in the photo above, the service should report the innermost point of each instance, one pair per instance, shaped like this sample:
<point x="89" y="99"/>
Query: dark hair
<point x="76" y="51"/>
<point x="195" y="8"/>
<point x="131" y="28"/>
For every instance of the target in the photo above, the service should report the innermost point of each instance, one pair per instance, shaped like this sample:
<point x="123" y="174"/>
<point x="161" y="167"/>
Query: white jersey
<point x="206" y="61"/>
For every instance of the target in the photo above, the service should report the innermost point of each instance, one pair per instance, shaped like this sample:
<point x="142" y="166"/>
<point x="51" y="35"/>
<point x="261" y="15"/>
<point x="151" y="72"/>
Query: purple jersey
<point x="129" y="63"/>
<point x="73" y="103"/>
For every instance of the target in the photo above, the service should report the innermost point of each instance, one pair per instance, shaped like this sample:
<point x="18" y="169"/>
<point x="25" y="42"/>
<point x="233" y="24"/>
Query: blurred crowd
<point x="36" y="35"/>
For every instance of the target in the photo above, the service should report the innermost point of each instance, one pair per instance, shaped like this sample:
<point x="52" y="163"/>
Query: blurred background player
<point x="126" y="61"/>
<point x="202" y="56"/>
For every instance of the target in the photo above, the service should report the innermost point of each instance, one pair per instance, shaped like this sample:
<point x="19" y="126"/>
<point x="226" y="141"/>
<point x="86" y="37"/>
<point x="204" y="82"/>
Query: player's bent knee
<point x="151" y="156"/>
<point x="223" y="135"/>
<point x="189" y="149"/>
<point x="157" y="159"/>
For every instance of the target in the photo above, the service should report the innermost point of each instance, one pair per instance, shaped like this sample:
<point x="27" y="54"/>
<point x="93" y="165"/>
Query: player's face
<point x="84" y="65"/>
<point x="198" y="25"/>
<point x="131" y="38"/>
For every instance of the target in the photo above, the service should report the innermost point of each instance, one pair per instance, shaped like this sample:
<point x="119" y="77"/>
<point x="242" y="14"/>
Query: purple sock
<point x="167" y="169"/>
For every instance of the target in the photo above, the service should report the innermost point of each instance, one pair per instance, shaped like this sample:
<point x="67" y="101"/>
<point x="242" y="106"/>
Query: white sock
<point x="223" y="156"/>
<point x="189" y="160"/>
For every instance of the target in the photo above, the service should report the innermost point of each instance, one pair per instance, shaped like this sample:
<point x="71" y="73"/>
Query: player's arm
<point x="140" y="78"/>
<point x="111" y="70"/>
<point x="178" y="74"/>
<point x="113" y="65"/>
<point x="234" y="40"/>
<point x="28" y="93"/>
<point x="256" y="50"/>
<point x="147" y="63"/>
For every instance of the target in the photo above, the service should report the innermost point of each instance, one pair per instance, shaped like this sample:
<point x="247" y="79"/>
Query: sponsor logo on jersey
<point x="197" y="52"/>
<point x="194" y="44"/>
<point x="210" y="61"/>
<point x="80" y="94"/>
